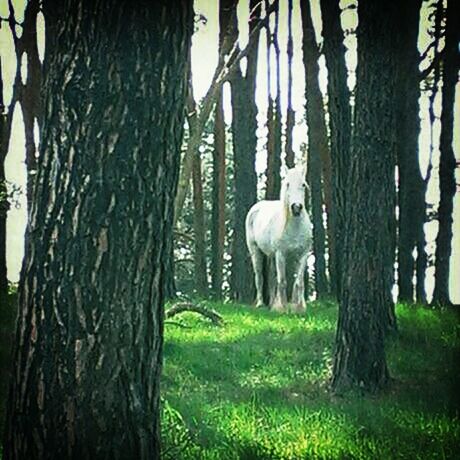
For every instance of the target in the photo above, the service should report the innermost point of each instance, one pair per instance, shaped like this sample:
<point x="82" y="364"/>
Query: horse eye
<point x="304" y="185"/>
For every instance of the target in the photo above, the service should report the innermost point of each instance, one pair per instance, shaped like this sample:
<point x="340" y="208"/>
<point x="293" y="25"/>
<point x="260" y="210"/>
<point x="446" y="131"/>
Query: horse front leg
<point x="257" y="264"/>
<point x="298" y="290"/>
<point x="280" y="301"/>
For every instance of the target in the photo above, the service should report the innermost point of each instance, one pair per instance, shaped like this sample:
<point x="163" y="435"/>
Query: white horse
<point x="278" y="228"/>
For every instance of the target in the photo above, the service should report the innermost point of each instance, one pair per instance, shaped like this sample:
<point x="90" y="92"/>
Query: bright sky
<point x="204" y="59"/>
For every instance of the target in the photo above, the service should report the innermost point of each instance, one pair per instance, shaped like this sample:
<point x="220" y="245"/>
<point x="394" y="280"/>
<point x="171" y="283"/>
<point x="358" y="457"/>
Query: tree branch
<point x="181" y="307"/>
<point x="223" y="72"/>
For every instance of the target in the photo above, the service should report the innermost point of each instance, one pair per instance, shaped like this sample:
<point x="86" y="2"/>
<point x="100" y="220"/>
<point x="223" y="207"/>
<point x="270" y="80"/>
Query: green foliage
<point x="257" y="388"/>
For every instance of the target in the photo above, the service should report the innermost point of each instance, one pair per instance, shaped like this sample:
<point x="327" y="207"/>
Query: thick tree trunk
<point x="340" y="132"/>
<point x="201" y="278"/>
<point x="447" y="162"/>
<point x="89" y="338"/>
<point x="317" y="144"/>
<point x="244" y="126"/>
<point x="369" y="226"/>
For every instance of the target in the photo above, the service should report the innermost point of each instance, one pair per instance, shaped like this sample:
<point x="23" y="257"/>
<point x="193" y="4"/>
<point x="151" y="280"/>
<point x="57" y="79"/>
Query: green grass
<point x="257" y="388"/>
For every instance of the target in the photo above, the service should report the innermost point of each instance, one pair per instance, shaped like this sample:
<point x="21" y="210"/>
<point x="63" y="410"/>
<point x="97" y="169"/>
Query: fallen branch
<point x="181" y="307"/>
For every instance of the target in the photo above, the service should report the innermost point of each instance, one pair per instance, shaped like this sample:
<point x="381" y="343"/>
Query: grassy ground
<point x="257" y="388"/>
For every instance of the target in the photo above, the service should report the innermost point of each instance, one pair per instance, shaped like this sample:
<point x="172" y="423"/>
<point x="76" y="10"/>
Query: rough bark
<point x="340" y="132"/>
<point x="369" y="215"/>
<point x="244" y="126"/>
<point x="317" y="144"/>
<point x="447" y="162"/>
<point x="85" y="382"/>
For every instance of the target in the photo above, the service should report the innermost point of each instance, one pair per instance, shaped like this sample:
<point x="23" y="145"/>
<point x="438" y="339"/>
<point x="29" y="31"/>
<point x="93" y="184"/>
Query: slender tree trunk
<point x="218" y="202"/>
<point x="244" y="126"/>
<point x="85" y="382"/>
<point x="411" y="186"/>
<point x="219" y="167"/>
<point x="4" y="204"/>
<point x="30" y="94"/>
<point x="273" y="184"/>
<point x="290" y="115"/>
<point x="317" y="144"/>
<point x="369" y="226"/>
<point x="447" y="163"/>
<point x="340" y="131"/>
<point x="201" y="277"/>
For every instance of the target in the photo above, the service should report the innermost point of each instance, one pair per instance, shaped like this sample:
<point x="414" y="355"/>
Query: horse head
<point x="293" y="190"/>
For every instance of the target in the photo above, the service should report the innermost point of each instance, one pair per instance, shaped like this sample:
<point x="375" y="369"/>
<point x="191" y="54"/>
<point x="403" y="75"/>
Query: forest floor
<point x="257" y="388"/>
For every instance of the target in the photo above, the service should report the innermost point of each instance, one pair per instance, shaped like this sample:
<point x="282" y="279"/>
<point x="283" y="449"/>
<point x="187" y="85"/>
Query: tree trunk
<point x="317" y="144"/>
<point x="201" y="277"/>
<point x="340" y="132"/>
<point x="369" y="225"/>
<point x="218" y="202"/>
<point x="4" y="204"/>
<point x="219" y="167"/>
<point x="290" y="115"/>
<point x="411" y="197"/>
<point x="88" y="349"/>
<point x="273" y="185"/>
<point x="30" y="94"/>
<point x="244" y="126"/>
<point x="447" y="162"/>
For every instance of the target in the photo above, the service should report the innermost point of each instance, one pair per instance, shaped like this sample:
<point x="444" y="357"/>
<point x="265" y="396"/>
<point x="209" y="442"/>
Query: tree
<point x="411" y="185"/>
<point x="244" y="126"/>
<point x="317" y="144"/>
<point x="447" y="162"/>
<point x="370" y="208"/>
<point x="199" y="228"/>
<point x="290" y="114"/>
<point x="5" y="128"/>
<point x="273" y="186"/>
<point x="218" y="170"/>
<point x="88" y="348"/>
<point x="340" y="132"/>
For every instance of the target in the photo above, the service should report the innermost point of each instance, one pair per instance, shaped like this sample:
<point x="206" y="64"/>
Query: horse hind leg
<point x="257" y="264"/>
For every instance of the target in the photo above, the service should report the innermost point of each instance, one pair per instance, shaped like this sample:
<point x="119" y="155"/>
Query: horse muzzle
<point x="296" y="209"/>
